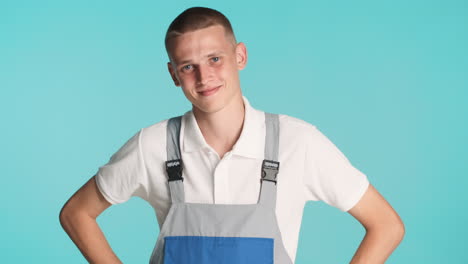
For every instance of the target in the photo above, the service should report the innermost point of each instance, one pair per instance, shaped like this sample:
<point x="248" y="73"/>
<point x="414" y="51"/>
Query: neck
<point x="222" y="129"/>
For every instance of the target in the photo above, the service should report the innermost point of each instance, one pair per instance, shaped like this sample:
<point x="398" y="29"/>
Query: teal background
<point x="386" y="81"/>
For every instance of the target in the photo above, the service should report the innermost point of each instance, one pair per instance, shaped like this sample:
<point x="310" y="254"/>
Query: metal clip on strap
<point x="270" y="170"/>
<point x="174" y="170"/>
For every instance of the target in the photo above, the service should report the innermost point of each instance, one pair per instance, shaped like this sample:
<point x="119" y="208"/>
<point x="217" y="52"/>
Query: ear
<point x="173" y="74"/>
<point x="241" y="55"/>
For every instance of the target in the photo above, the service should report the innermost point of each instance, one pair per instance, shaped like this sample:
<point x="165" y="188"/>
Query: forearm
<point x="89" y="238"/>
<point x="377" y="246"/>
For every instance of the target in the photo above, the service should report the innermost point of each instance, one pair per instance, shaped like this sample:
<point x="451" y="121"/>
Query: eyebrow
<point x="212" y="54"/>
<point x="216" y="53"/>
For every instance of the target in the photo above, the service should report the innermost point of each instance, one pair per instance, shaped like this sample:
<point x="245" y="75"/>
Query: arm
<point x="384" y="228"/>
<point x="78" y="218"/>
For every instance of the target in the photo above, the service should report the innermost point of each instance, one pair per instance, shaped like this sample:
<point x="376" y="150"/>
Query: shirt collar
<point x="251" y="142"/>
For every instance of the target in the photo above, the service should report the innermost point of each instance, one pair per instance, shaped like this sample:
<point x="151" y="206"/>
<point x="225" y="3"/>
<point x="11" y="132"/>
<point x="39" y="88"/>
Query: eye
<point x="215" y="59"/>
<point x="187" y="67"/>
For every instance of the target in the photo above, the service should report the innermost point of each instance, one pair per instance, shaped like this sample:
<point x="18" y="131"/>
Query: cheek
<point x="228" y="71"/>
<point x="186" y="80"/>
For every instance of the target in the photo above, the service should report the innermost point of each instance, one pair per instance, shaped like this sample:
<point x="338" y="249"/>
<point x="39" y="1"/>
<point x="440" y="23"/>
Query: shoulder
<point x="154" y="135"/>
<point x="152" y="144"/>
<point x="292" y="126"/>
<point x="155" y="129"/>
<point x="161" y="126"/>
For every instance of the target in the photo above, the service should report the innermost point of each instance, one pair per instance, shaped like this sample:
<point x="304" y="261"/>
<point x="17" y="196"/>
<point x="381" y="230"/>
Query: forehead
<point x="199" y="42"/>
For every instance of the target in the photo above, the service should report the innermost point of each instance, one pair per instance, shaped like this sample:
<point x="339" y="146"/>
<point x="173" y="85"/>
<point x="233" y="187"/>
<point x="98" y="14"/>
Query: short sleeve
<point x="329" y="176"/>
<point x="122" y="177"/>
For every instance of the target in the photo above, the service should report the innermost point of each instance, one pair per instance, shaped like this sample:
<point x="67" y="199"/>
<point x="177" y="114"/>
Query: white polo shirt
<point x="311" y="168"/>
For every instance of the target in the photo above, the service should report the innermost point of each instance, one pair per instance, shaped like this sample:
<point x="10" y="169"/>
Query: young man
<point x="222" y="146"/>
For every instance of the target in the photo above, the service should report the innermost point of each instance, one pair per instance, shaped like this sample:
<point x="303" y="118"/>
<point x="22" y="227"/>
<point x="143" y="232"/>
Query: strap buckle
<point x="174" y="170"/>
<point x="270" y="170"/>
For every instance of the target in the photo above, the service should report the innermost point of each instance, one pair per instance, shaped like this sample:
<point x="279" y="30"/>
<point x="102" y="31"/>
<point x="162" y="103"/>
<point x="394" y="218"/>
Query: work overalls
<point x="197" y="233"/>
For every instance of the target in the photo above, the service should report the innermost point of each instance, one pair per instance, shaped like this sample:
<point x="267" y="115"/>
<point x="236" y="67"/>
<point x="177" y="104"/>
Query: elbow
<point x="64" y="216"/>
<point x="400" y="230"/>
<point x="397" y="228"/>
<point x="394" y="231"/>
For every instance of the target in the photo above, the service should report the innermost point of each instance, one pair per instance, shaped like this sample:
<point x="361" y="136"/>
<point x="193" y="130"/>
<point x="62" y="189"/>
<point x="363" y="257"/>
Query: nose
<point x="204" y="74"/>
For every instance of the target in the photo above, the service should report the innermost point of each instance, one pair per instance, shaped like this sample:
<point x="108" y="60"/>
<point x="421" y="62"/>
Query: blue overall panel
<point x="216" y="250"/>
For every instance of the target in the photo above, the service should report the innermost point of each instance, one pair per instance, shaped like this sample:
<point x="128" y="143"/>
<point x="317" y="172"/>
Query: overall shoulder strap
<point x="174" y="160"/>
<point x="270" y="165"/>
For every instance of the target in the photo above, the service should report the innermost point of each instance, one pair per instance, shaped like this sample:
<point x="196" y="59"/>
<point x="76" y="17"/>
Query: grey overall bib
<point x="197" y="233"/>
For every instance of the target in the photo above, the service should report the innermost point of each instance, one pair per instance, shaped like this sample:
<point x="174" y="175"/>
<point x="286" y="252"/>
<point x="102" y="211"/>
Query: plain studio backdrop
<point x="386" y="81"/>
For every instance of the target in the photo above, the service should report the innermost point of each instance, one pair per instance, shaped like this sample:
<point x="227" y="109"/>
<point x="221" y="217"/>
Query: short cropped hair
<point x="196" y="18"/>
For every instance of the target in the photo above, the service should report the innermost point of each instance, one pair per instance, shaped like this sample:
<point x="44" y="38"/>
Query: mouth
<point x="209" y="91"/>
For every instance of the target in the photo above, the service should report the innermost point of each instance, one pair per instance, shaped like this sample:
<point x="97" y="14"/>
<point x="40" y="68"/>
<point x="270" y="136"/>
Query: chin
<point x="209" y="108"/>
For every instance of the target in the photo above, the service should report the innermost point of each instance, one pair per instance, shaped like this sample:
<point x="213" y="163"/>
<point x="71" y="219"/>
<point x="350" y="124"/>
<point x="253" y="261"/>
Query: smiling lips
<point x="209" y="91"/>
